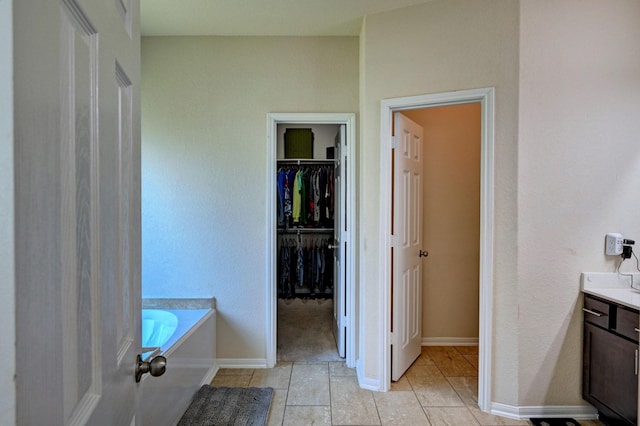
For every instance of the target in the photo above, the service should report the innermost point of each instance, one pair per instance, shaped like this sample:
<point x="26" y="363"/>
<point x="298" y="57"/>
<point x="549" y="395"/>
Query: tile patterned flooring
<point x="440" y="388"/>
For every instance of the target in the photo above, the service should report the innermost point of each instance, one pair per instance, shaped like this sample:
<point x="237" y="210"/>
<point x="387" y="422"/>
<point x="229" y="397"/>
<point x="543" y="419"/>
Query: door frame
<point x="8" y="288"/>
<point x="486" y="98"/>
<point x="273" y="119"/>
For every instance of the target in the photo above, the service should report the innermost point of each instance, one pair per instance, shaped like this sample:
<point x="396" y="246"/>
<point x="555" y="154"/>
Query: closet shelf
<point x="305" y="161"/>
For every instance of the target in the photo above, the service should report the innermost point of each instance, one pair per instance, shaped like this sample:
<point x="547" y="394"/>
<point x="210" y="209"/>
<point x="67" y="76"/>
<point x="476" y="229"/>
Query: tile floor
<point x="440" y="388"/>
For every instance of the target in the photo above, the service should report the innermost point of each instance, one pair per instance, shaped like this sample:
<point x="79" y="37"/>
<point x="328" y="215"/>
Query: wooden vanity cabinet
<point x="610" y="360"/>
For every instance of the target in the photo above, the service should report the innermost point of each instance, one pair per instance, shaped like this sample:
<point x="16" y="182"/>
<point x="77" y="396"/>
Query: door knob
<point x="423" y="253"/>
<point x="156" y="367"/>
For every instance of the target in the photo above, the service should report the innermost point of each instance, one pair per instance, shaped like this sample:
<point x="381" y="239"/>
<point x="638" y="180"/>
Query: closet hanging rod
<point x="305" y="231"/>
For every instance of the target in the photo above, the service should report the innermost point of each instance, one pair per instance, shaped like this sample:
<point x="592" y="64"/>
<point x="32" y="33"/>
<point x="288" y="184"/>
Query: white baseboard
<point x="211" y="373"/>
<point x="241" y="362"/>
<point x="369" y="384"/>
<point x="578" y="412"/>
<point x="450" y="341"/>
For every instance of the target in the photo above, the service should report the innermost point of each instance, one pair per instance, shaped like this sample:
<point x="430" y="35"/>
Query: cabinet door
<point x="609" y="380"/>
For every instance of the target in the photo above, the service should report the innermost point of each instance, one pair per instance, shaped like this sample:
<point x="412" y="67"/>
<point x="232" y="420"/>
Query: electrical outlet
<point x="613" y="244"/>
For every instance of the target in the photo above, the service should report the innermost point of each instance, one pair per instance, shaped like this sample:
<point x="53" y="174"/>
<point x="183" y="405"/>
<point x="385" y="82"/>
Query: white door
<point x="339" y="244"/>
<point x="77" y="73"/>
<point x="406" y="324"/>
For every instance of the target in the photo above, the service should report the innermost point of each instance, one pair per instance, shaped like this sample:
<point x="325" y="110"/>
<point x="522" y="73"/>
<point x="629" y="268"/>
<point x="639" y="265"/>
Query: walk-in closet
<point x="308" y="210"/>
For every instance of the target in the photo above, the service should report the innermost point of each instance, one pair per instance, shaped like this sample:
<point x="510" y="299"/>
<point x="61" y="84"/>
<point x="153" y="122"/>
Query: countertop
<point x="613" y="287"/>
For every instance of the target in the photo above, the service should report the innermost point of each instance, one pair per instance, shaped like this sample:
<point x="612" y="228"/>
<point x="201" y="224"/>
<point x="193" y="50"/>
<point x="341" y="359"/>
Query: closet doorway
<point x="389" y="107"/>
<point x="310" y="291"/>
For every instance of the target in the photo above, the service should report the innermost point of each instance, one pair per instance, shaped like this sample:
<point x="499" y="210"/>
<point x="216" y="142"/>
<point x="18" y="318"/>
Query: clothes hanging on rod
<point x="305" y="266"/>
<point x="305" y="196"/>
<point x="305" y="203"/>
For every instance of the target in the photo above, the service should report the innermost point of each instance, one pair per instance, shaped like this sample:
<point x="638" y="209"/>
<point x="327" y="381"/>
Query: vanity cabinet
<point x="610" y="360"/>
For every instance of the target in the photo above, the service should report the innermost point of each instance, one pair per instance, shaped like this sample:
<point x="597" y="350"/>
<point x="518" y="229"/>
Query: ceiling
<point x="261" y="17"/>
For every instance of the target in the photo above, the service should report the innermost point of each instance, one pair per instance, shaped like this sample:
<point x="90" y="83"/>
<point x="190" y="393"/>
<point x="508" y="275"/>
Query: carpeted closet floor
<point x="305" y="330"/>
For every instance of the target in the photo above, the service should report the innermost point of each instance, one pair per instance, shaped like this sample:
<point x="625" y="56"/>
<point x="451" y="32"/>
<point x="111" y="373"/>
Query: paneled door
<point x="407" y="243"/>
<point x="339" y="244"/>
<point x="77" y="115"/>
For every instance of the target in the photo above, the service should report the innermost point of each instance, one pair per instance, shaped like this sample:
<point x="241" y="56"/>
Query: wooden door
<point x="339" y="245"/>
<point x="77" y="73"/>
<point x="407" y="243"/>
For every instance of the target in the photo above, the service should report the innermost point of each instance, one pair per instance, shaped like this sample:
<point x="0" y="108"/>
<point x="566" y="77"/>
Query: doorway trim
<point x="273" y="119"/>
<point x="484" y="96"/>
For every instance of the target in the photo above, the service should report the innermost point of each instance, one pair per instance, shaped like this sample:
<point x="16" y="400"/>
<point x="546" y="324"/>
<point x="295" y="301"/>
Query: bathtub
<point x="158" y="326"/>
<point x="185" y="335"/>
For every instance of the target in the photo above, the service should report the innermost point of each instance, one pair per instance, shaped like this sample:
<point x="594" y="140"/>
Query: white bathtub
<point x="190" y="351"/>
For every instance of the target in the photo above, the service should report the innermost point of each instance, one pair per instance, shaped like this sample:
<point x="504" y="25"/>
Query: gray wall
<point x="437" y="47"/>
<point x="204" y="122"/>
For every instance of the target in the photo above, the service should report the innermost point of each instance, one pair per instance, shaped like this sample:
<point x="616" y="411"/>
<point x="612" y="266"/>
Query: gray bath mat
<point x="554" y="422"/>
<point x="223" y="406"/>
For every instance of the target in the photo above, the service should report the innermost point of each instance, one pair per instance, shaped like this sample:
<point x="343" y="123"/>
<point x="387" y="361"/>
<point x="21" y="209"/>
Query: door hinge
<point x="394" y="141"/>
